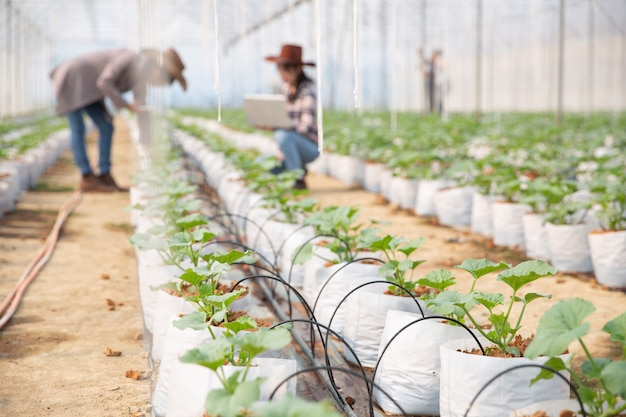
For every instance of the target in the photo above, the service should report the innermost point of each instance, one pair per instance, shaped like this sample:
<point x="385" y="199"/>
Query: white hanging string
<point x="320" y="116"/>
<point x="217" y="85"/>
<point x="355" y="53"/>
<point x="392" y="71"/>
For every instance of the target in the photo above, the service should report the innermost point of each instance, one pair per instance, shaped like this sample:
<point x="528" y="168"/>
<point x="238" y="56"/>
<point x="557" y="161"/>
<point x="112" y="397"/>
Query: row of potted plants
<point x="27" y="150"/>
<point x="343" y="236"/>
<point x="178" y="254"/>
<point x="554" y="200"/>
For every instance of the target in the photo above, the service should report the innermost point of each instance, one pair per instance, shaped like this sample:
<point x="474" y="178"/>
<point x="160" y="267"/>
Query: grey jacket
<point x="89" y="78"/>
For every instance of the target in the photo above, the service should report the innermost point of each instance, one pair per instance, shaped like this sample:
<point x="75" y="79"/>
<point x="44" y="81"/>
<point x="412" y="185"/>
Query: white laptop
<point x="267" y="110"/>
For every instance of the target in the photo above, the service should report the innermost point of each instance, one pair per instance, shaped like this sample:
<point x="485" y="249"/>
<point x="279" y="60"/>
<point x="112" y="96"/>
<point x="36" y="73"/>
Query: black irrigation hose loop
<point x="261" y="228"/>
<point x="353" y="291"/>
<point x="419" y="320"/>
<point x="528" y="365"/>
<point x="307" y="307"/>
<point x="240" y="234"/>
<point x="325" y="346"/>
<point x="295" y="256"/>
<point x="335" y="368"/>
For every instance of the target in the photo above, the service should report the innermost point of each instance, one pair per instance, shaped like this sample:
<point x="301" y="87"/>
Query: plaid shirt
<point x="303" y="109"/>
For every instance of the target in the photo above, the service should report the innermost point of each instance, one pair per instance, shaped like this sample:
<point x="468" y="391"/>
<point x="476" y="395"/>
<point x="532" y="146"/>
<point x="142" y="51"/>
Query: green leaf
<point x="253" y="343"/>
<point x="534" y="296"/>
<point x="613" y="376"/>
<point x="388" y="269"/>
<point x="525" y="272"/>
<point x="201" y="235"/>
<point x="439" y="279"/>
<point x="302" y="254"/>
<point x="616" y="328"/>
<point x="448" y="304"/>
<point x="555" y="363"/>
<point x="412" y="245"/>
<point x="196" y="320"/>
<point x="242" y="323"/>
<point x="229" y="257"/>
<point x="488" y="300"/>
<point x="594" y="370"/>
<point x="374" y="243"/>
<point x="144" y="241"/>
<point x="191" y="220"/>
<point x="211" y="354"/>
<point x="192" y="277"/>
<point x="480" y="267"/>
<point x="224" y="404"/>
<point x="560" y="326"/>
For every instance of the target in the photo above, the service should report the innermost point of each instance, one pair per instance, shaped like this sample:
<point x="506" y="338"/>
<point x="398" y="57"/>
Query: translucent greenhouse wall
<point x="513" y="45"/>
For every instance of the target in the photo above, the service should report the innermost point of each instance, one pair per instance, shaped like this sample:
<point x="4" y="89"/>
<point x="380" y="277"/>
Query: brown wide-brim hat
<point x="289" y="54"/>
<point x="174" y="65"/>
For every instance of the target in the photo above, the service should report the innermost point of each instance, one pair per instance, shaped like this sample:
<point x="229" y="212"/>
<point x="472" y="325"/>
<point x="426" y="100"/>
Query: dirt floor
<point x="52" y="353"/>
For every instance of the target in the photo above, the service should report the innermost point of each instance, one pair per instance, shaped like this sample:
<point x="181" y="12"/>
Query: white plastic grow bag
<point x="463" y="375"/>
<point x="569" y="247"/>
<point x="507" y="223"/>
<point x="482" y="217"/>
<point x="404" y="192"/>
<point x="337" y="281"/>
<point x="367" y="308"/>
<point x="168" y="307"/>
<point x="410" y="367"/>
<point x="608" y="254"/>
<point x="176" y="344"/>
<point x="535" y="236"/>
<point x="190" y="383"/>
<point x="425" y="204"/>
<point x="453" y="206"/>
<point x="150" y="277"/>
<point x="294" y="238"/>
<point x="349" y="170"/>
<point x="371" y="176"/>
<point x="386" y="175"/>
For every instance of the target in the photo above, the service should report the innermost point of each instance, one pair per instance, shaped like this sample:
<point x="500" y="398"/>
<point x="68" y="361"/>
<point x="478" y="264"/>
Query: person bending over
<point x="82" y="83"/>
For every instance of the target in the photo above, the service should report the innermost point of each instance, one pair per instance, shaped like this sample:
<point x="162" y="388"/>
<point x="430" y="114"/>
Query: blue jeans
<point x="297" y="149"/>
<point x="96" y="112"/>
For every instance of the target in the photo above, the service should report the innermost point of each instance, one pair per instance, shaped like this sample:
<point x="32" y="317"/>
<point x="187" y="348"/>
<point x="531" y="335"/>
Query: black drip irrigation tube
<point x="337" y="397"/>
<point x="324" y="372"/>
<point x="338" y="369"/>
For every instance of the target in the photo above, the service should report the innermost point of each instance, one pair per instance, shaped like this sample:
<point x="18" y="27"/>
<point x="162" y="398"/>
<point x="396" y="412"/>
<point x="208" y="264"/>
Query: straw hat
<point x="174" y="65"/>
<point x="289" y="54"/>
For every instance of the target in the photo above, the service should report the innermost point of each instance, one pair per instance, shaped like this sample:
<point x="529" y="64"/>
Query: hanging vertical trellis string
<point x="320" y="114"/>
<point x="217" y="86"/>
<point x="392" y="74"/>
<point x="355" y="52"/>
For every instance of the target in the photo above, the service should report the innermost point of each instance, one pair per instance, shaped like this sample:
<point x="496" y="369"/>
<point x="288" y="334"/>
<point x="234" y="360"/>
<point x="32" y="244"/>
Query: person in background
<point x="431" y="69"/>
<point x="298" y="146"/>
<point x="81" y="85"/>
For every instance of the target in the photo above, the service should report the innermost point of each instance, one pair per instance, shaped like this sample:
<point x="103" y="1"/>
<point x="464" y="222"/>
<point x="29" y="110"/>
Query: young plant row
<point x="29" y="135"/>
<point x="183" y="236"/>
<point x="344" y="238"/>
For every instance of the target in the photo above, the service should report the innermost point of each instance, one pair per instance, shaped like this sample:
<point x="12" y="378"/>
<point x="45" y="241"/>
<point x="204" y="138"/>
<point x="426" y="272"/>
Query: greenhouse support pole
<point x="479" y="58"/>
<point x="421" y="57"/>
<point x="559" y="109"/>
<point x="320" y="114"/>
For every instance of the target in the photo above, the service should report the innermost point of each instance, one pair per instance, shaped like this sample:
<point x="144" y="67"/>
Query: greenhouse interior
<point x="201" y="199"/>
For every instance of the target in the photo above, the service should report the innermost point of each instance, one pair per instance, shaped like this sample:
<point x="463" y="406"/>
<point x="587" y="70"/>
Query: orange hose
<point x="12" y="301"/>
